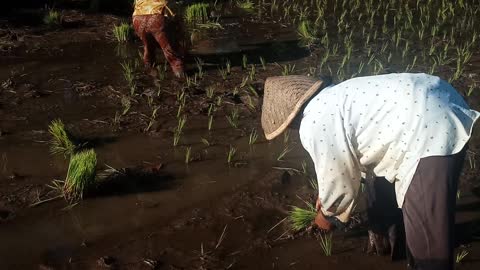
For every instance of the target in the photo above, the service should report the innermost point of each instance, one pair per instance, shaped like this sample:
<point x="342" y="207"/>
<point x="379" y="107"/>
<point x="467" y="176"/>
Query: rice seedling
<point x="233" y="118"/>
<point x="244" y="82"/>
<point x="199" y="62"/>
<point x="252" y="72"/>
<point x="179" y="129"/>
<point x="304" y="167"/>
<point x="188" y="155"/>
<point x="307" y="33"/>
<point x="81" y="174"/>
<point x="129" y="75"/>
<point x="126" y="105"/>
<point x="252" y="90"/>
<point x="244" y="61"/>
<point x="219" y="101"/>
<point x="252" y="138"/>
<point x="61" y="142"/>
<point x="313" y="183"/>
<point x="223" y="73"/>
<point x="152" y="119"/>
<point x="209" y="91"/>
<point x="205" y="142"/>
<point x="246" y="5"/>
<point x="197" y="13"/>
<point x="191" y="80"/>
<point x="288" y="69"/>
<point x="471" y="88"/>
<point x="250" y="103"/>
<point x="122" y="32"/>
<point x="211" y="109"/>
<point x="228" y="66"/>
<point x="263" y="63"/>
<point x="210" y="122"/>
<point x="461" y="255"/>
<point x="326" y="243"/>
<point x="117" y="118"/>
<point x="231" y="154"/>
<point x="286" y="136"/>
<point x="235" y="91"/>
<point x="301" y="218"/>
<point x="284" y="152"/>
<point x="52" y="18"/>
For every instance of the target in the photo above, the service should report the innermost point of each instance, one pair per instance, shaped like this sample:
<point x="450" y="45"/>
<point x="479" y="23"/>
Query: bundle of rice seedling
<point x="197" y="13"/>
<point x="80" y="175"/>
<point x="52" y="18"/>
<point x="301" y="218"/>
<point x="122" y="32"/>
<point x="61" y="142"/>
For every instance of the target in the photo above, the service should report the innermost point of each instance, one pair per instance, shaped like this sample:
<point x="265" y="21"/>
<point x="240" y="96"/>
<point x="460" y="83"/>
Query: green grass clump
<point x="197" y="13"/>
<point x="80" y="175"/>
<point x="61" y="142"/>
<point x="52" y="18"/>
<point x="301" y="218"/>
<point x="122" y="32"/>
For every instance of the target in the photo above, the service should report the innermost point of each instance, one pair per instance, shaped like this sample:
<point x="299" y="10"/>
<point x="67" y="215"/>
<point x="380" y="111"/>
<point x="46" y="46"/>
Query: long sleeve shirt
<point x="382" y="126"/>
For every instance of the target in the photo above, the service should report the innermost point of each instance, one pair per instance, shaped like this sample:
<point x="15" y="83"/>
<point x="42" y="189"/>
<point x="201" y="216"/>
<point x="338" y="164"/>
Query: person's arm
<point x="324" y="137"/>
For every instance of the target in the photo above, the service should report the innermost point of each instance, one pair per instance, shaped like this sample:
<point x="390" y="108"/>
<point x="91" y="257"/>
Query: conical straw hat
<point x="283" y="99"/>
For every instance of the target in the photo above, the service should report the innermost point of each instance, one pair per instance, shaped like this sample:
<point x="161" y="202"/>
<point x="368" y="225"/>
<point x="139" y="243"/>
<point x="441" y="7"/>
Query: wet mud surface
<point x="160" y="213"/>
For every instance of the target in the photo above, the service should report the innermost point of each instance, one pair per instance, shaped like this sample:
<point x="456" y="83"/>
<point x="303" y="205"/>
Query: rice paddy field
<point x="103" y="166"/>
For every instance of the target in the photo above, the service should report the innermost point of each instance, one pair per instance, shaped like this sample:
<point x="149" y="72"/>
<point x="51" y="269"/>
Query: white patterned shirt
<point x="380" y="126"/>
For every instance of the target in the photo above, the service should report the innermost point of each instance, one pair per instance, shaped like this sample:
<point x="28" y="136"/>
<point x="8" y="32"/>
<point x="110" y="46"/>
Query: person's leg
<point x="140" y="24"/>
<point x="429" y="212"/>
<point x="158" y="28"/>
<point x="385" y="222"/>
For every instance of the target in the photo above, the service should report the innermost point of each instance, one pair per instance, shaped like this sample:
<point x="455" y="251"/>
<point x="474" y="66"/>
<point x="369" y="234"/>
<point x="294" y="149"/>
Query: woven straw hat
<point x="283" y="98"/>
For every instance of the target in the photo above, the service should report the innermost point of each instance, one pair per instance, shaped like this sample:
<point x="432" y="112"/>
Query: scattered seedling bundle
<point x="81" y="174"/>
<point x="82" y="165"/>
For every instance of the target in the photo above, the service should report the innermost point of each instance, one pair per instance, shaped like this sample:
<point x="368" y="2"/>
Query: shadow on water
<point x="234" y="51"/>
<point x="134" y="180"/>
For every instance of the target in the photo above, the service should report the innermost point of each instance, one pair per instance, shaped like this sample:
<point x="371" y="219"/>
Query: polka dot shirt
<point x="381" y="126"/>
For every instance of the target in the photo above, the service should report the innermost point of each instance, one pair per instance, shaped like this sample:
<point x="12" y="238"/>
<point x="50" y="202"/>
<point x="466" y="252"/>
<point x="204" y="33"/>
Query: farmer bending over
<point x="411" y="129"/>
<point x="152" y="22"/>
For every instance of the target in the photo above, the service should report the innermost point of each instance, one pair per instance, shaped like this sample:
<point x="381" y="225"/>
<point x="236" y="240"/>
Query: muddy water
<point x="48" y="230"/>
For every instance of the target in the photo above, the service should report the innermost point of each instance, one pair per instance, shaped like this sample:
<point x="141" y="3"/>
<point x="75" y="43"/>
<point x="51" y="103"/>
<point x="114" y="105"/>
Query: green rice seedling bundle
<point x="61" y="142"/>
<point x="197" y="13"/>
<point x="301" y="218"/>
<point x="81" y="174"/>
<point x="307" y="33"/>
<point x="52" y="18"/>
<point x="246" y="5"/>
<point x="122" y="32"/>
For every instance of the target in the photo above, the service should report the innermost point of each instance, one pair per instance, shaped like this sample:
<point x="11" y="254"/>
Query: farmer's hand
<point x="320" y="219"/>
